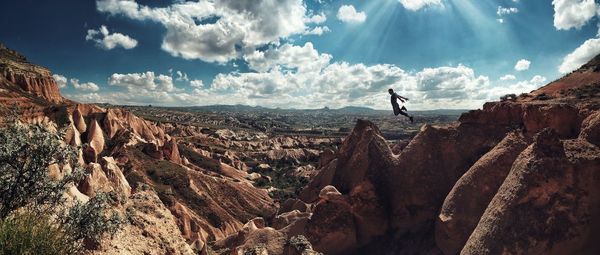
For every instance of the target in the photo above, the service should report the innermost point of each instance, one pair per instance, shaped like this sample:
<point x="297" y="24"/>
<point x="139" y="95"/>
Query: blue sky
<point x="302" y="54"/>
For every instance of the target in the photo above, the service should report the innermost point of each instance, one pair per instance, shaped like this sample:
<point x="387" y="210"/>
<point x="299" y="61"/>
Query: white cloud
<point x="104" y="39"/>
<point x="219" y="31"/>
<point x="506" y="11"/>
<point x="318" y="31"/>
<point x="584" y="53"/>
<point x="181" y="76"/>
<point x="301" y="77"/>
<point x="348" y="14"/>
<point x="86" y="86"/>
<point x="508" y="77"/>
<point x="517" y="88"/>
<point x="61" y="81"/>
<point x="135" y="82"/>
<point x="287" y="56"/>
<point x="522" y="65"/>
<point x="538" y="80"/>
<point x="415" y="5"/>
<point x="317" y="19"/>
<point x="500" y="20"/>
<point x="573" y="13"/>
<point x="197" y="83"/>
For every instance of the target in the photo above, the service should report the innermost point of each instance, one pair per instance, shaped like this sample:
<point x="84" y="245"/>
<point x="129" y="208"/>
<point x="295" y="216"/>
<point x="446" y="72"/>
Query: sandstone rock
<point x="370" y="216"/>
<point x="95" y="182"/>
<point x="95" y="138"/>
<point x="115" y="176"/>
<point x="72" y="136"/>
<point x="152" y="230"/>
<point x="545" y="205"/>
<point x="330" y="193"/>
<point x="331" y="228"/>
<point x="171" y="151"/>
<point x="293" y="204"/>
<point x="78" y="121"/>
<point x="591" y="129"/>
<point x="152" y="150"/>
<point x="472" y="193"/>
<point x="325" y="157"/>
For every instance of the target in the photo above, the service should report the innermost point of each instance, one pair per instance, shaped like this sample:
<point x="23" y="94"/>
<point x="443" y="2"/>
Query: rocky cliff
<point x="33" y="79"/>
<point x="516" y="177"/>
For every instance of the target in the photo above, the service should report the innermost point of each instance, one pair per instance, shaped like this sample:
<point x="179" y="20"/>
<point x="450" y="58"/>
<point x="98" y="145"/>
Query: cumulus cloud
<point x="573" y="13"/>
<point x="104" y="39"/>
<point x="320" y="30"/>
<point x="508" y="77"/>
<point x="304" y="58"/>
<point x="517" y="88"/>
<point x="197" y="83"/>
<point x="522" y="65"/>
<point x="300" y="76"/>
<point x="86" y="86"/>
<point x="317" y="19"/>
<point x="137" y="82"/>
<point x="61" y="81"/>
<point x="415" y="5"/>
<point x="348" y="14"/>
<point x="219" y="31"/>
<point x="584" y="53"/>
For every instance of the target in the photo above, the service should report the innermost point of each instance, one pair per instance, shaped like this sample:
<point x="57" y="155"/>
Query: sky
<point x="442" y="54"/>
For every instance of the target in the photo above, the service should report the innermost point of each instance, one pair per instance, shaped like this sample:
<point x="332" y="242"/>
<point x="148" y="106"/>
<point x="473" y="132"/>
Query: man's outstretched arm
<point x="401" y="98"/>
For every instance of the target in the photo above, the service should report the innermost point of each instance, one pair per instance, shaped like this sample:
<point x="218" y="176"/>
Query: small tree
<point x="26" y="152"/>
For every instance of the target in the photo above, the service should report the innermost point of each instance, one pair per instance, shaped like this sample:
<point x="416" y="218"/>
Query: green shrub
<point x="33" y="217"/>
<point x="25" y="154"/>
<point x="89" y="221"/>
<point x="28" y="233"/>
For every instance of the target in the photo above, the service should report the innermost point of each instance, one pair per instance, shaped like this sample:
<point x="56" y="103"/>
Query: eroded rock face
<point x="95" y="182"/>
<point x="546" y="204"/>
<point x="472" y="193"/>
<point x="433" y="194"/>
<point x="152" y="230"/>
<point x="115" y="176"/>
<point x="171" y="151"/>
<point x="95" y="138"/>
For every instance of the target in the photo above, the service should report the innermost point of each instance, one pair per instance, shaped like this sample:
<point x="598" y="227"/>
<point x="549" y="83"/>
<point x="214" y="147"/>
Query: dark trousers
<point x="398" y="111"/>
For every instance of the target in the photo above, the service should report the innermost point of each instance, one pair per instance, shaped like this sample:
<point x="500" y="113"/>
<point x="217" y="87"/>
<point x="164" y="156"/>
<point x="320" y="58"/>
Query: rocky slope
<point x="516" y="177"/>
<point x="175" y="204"/>
<point x="32" y="79"/>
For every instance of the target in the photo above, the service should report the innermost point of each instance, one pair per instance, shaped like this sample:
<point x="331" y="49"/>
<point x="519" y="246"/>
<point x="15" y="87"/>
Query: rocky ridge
<point x="516" y="177"/>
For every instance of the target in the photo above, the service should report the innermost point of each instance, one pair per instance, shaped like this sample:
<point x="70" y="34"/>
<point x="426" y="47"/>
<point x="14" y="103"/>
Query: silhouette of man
<point x="397" y="109"/>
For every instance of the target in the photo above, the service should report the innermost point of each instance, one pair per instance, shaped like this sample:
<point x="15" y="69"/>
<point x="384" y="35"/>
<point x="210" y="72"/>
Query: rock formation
<point x="32" y="79"/>
<point x="516" y="177"/>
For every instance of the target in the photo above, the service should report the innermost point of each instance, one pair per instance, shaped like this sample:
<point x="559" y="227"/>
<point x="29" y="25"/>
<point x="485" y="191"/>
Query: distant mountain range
<point x="344" y="110"/>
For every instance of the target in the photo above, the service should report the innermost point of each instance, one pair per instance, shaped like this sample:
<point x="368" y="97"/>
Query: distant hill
<point x="358" y="110"/>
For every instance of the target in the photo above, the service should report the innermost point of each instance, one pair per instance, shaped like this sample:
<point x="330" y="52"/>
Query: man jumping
<point x="397" y="109"/>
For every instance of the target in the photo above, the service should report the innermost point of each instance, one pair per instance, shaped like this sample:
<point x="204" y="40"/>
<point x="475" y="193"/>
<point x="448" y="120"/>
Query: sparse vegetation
<point x="542" y="96"/>
<point x="28" y="233"/>
<point x="34" y="218"/>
